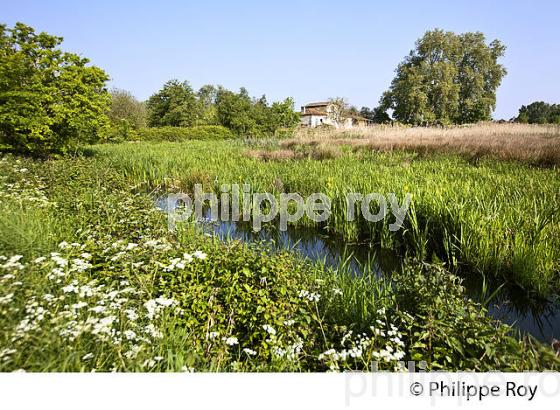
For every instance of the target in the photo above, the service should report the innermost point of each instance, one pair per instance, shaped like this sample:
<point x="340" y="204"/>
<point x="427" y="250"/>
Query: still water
<point x="539" y="318"/>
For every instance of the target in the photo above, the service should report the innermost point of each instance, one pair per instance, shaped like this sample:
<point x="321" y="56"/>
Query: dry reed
<point x="535" y="144"/>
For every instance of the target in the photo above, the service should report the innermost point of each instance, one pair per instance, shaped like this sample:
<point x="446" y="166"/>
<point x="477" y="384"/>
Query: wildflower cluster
<point x="17" y="184"/>
<point x="382" y="346"/>
<point x="106" y="316"/>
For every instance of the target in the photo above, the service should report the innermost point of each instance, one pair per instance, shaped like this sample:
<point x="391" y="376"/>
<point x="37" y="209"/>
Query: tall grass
<point x="535" y="144"/>
<point x="119" y="293"/>
<point x="499" y="218"/>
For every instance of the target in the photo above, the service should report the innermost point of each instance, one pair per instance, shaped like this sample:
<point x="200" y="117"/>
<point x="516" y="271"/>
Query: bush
<point x="120" y="131"/>
<point x="49" y="99"/>
<point x="200" y="132"/>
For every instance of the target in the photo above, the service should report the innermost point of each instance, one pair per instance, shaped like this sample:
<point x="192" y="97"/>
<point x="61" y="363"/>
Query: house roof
<point x="317" y="104"/>
<point x="314" y="111"/>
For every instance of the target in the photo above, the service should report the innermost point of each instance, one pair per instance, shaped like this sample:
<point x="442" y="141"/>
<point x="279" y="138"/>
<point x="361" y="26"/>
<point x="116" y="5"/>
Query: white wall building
<point x="320" y="113"/>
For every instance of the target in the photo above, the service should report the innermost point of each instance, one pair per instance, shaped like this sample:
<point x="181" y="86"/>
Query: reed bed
<point x="494" y="218"/>
<point x="535" y="144"/>
<point x="106" y="287"/>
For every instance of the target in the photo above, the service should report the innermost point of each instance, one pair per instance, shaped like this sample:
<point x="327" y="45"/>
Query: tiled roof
<point x="314" y="111"/>
<point x="317" y="104"/>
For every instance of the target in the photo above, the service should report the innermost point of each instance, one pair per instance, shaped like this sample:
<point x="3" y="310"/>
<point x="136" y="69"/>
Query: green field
<point x="122" y="293"/>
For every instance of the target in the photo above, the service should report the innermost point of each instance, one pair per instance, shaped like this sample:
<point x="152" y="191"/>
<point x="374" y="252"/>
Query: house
<point x="322" y="113"/>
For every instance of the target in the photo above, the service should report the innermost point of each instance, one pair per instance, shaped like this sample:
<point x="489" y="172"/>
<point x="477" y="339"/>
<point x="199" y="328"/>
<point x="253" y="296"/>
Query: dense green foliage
<point x="178" y="105"/>
<point x="539" y="112"/>
<point x="199" y="132"/>
<point x="127" y="115"/>
<point x="447" y="78"/>
<point x="175" y="105"/>
<point x="378" y="115"/>
<point x="482" y="218"/>
<point x="253" y="118"/>
<point x="49" y="99"/>
<point x="103" y="286"/>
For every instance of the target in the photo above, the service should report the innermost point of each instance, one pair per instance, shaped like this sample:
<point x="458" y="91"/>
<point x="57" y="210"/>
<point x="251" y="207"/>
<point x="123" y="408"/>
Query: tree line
<point x="51" y="100"/>
<point x="177" y="104"/>
<point x="539" y="112"/>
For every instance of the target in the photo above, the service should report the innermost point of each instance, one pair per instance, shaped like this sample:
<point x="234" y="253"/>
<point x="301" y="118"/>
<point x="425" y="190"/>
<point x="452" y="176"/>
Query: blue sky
<point x="310" y="50"/>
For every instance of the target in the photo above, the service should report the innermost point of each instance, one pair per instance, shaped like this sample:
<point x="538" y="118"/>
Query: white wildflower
<point x="200" y="255"/>
<point x="70" y="289"/>
<point x="131" y="314"/>
<point x="130" y="334"/>
<point x="231" y="341"/>
<point x="4" y="300"/>
<point x="88" y="356"/>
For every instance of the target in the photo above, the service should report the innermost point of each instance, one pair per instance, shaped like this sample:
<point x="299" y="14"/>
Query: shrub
<point x="199" y="132"/>
<point x="49" y="99"/>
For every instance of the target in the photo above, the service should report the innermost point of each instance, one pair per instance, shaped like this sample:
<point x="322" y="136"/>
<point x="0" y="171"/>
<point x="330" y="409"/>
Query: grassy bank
<point x="497" y="219"/>
<point x="90" y="279"/>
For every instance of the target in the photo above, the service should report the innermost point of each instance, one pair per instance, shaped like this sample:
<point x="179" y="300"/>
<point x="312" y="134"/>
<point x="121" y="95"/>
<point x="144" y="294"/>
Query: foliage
<point x="114" y="291"/>
<point x="378" y="115"/>
<point x="448" y="331"/>
<point x="253" y="118"/>
<point x="175" y="105"/>
<point x="49" y="99"/>
<point x="127" y="115"/>
<point x="447" y="78"/>
<point x="539" y="112"/>
<point x="477" y="216"/>
<point x="338" y="110"/>
<point x="124" y="106"/>
<point x="199" y="132"/>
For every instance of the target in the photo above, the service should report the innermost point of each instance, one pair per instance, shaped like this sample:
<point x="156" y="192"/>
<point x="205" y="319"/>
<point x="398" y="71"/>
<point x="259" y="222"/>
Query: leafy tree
<point x="124" y="107"/>
<point x="234" y="111"/>
<point x="174" y="105"/>
<point x="378" y="115"/>
<point x="253" y="118"/>
<point x="447" y="78"/>
<point x="539" y="112"/>
<point x="283" y="115"/>
<point x="338" y="110"/>
<point x="49" y="99"/>
<point x="207" y="96"/>
<point x="177" y="105"/>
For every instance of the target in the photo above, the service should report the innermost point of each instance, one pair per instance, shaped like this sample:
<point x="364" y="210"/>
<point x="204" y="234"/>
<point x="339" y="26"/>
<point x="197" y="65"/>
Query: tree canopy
<point x="378" y="115"/>
<point x="49" y="98"/>
<point x="176" y="104"/>
<point x="125" y="107"/>
<point x="539" y="112"/>
<point x="447" y="78"/>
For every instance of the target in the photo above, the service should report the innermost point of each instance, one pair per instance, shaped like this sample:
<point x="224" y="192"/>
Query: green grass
<point x="115" y="295"/>
<point x="489" y="218"/>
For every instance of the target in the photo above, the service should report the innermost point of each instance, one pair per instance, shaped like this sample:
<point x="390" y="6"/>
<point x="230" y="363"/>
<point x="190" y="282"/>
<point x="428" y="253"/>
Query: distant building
<point x="320" y="113"/>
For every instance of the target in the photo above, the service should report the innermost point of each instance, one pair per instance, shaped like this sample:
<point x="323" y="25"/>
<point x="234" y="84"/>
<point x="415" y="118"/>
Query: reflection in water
<point x="358" y="258"/>
<point x="511" y="305"/>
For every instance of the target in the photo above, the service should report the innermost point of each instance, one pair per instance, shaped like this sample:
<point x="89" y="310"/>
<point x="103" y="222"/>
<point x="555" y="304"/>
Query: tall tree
<point x="539" y="112"/>
<point x="338" y="110"/>
<point x="447" y="78"/>
<point x="125" y="107"/>
<point x="49" y="99"/>
<point x="235" y="111"/>
<point x="378" y="115"/>
<point x="174" y="105"/>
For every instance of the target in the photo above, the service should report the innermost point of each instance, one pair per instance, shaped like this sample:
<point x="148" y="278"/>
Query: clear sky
<point x="310" y="50"/>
